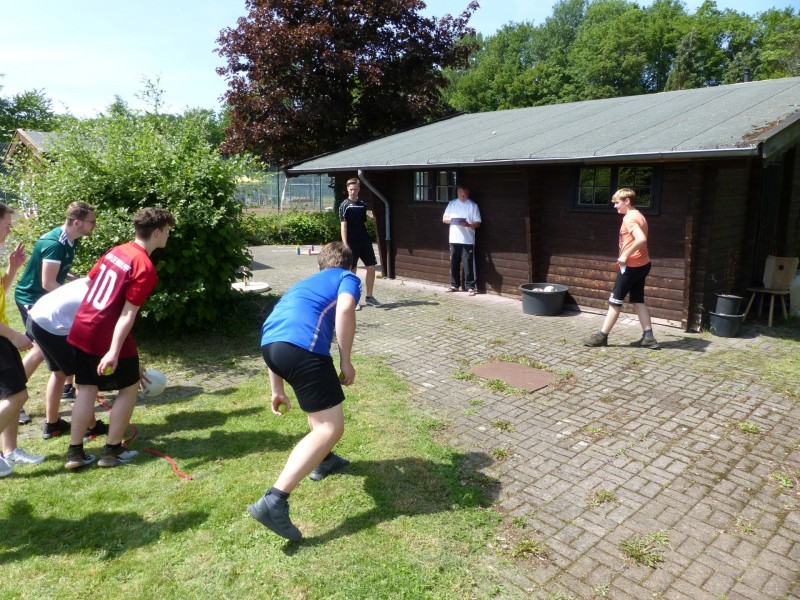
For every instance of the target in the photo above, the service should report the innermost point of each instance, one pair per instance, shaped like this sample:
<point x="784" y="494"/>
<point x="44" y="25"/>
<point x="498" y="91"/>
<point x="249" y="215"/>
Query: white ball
<point x="158" y="383"/>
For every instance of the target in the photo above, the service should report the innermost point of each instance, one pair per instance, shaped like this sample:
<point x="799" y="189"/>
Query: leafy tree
<point x="28" y="110"/>
<point x="687" y="70"/>
<point x="306" y="77"/>
<point x="124" y="161"/>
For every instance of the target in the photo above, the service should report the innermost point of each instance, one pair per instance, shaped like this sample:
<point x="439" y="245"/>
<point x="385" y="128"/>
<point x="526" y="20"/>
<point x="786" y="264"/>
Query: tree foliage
<point x="592" y="49"/>
<point x="306" y="77"/>
<point x="124" y="161"/>
<point x="27" y="110"/>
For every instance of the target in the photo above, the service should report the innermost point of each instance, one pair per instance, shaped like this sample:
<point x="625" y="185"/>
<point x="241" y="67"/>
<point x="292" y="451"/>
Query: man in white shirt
<point x="464" y="218"/>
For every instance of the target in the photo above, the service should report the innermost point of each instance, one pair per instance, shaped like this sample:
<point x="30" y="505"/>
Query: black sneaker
<point x="596" y="339"/>
<point x="68" y="394"/>
<point x="372" y="301"/>
<point x="114" y="457"/>
<point x="24" y="419"/>
<point x="273" y="513"/>
<point x="99" y="428"/>
<point x="56" y="429"/>
<point x="77" y="458"/>
<point x="326" y="467"/>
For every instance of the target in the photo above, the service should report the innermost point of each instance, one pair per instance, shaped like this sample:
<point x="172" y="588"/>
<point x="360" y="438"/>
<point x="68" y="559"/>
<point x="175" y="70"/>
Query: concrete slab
<point x="515" y="375"/>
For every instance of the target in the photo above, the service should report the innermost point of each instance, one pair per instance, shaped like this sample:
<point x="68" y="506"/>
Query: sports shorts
<point x="126" y="374"/>
<point x="630" y="282"/>
<point x="362" y="249"/>
<point x="12" y="373"/>
<point x="23" y="312"/>
<point x="312" y="376"/>
<point x="58" y="353"/>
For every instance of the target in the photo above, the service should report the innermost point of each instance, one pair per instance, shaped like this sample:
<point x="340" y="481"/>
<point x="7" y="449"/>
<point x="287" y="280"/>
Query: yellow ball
<point x="282" y="409"/>
<point x="108" y="370"/>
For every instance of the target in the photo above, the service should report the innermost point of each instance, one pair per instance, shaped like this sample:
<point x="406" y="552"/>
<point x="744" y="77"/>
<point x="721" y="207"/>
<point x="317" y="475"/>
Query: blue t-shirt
<point x="306" y="315"/>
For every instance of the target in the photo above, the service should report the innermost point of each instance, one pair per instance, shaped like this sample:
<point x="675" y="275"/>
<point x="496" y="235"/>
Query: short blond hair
<point x="353" y="181"/>
<point x="623" y="193"/>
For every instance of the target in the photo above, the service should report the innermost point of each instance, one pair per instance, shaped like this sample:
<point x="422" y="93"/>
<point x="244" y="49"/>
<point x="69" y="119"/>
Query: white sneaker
<point x="358" y="307"/>
<point x="5" y="467"/>
<point x="19" y="457"/>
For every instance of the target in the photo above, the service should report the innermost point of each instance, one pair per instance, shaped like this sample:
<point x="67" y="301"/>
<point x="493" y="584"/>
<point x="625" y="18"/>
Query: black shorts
<point x="12" y="373"/>
<point x="312" y="376"/>
<point x="630" y="282"/>
<point x="362" y="249"/>
<point x="58" y="353"/>
<point x="126" y="375"/>
<point x="23" y="312"/>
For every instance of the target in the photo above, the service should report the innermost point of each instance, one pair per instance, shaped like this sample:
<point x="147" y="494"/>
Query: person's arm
<point x="343" y="229"/>
<point x="121" y="331"/>
<point x="278" y="393"/>
<point x="20" y="340"/>
<point x="50" y="271"/>
<point x="15" y="260"/>
<point x="345" y="334"/>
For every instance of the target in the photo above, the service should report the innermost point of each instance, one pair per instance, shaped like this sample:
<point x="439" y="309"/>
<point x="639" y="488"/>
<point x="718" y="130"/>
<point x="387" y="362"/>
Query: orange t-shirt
<point x="641" y="257"/>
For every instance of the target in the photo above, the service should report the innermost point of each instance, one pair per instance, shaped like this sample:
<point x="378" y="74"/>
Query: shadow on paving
<point x="408" y="487"/>
<point x="24" y="535"/>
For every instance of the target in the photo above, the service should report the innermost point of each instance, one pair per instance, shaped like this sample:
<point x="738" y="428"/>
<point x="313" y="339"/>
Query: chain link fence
<point x="274" y="191"/>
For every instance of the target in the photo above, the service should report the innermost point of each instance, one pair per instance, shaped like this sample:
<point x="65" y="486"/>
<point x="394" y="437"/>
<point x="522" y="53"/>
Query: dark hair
<point x="5" y="209"/>
<point x="335" y="256"/>
<point x="462" y="186"/>
<point x="147" y="220"/>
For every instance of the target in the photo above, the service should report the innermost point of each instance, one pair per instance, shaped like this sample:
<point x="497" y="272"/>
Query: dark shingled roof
<point x="746" y="119"/>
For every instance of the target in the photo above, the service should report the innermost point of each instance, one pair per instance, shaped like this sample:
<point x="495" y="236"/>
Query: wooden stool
<point x="772" y="294"/>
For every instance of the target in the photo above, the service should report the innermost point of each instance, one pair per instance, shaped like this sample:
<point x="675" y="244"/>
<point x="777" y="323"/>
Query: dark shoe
<point x="68" y="394"/>
<point x="326" y="467"/>
<point x="596" y="339"/>
<point x="372" y="301"/>
<point x="114" y="457"/>
<point x="99" y="428"/>
<point x="645" y="342"/>
<point x="56" y="429"/>
<point x="24" y="419"/>
<point x="77" y="458"/>
<point x="273" y="513"/>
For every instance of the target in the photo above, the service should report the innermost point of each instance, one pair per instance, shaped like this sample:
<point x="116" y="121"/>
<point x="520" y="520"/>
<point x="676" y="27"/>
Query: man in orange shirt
<point x="634" y="265"/>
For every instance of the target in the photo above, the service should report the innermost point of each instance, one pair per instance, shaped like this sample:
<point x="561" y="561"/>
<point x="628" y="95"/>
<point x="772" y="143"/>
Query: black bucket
<point x="728" y="304"/>
<point x="724" y="325"/>
<point x="537" y="301"/>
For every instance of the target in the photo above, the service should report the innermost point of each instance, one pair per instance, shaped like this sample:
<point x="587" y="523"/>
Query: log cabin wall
<point x="579" y="249"/>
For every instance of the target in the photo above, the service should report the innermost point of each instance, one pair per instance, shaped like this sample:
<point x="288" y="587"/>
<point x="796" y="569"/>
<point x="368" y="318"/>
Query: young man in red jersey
<point x="106" y="357"/>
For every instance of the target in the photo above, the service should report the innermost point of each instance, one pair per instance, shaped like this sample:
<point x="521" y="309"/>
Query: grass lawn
<point x="409" y="518"/>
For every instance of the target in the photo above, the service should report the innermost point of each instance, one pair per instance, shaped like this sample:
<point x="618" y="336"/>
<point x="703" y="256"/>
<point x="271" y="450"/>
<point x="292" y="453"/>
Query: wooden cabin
<point x="717" y="172"/>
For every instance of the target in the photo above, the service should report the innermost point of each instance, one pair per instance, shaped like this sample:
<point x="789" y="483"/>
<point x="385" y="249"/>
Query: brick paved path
<point x="659" y="429"/>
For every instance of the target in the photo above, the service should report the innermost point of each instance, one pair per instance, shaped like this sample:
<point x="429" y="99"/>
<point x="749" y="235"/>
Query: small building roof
<point x="38" y="141"/>
<point x="746" y="119"/>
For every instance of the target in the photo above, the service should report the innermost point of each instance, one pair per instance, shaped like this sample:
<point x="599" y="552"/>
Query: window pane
<point x="643" y="197"/>
<point x="627" y="177"/>
<point x="644" y="176"/>
<point x="603" y="177"/>
<point x="602" y="195"/>
<point x="587" y="177"/>
<point x="586" y="196"/>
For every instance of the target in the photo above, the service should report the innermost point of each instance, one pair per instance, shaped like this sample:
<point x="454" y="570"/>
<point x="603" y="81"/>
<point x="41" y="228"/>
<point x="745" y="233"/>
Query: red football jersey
<point x="124" y="273"/>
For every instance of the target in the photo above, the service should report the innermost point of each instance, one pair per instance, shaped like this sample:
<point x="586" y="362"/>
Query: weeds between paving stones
<point x="645" y="550"/>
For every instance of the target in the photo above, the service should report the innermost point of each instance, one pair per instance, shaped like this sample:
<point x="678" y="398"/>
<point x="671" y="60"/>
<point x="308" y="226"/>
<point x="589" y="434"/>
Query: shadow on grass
<point x="411" y="487"/>
<point x="24" y="535"/>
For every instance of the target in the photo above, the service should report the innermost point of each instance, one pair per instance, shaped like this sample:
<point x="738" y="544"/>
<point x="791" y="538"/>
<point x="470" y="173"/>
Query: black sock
<point x="648" y="333"/>
<point x="76" y="446"/>
<point x="605" y="335"/>
<point x="273" y="491"/>
<point x="330" y="455"/>
<point x="114" y="447"/>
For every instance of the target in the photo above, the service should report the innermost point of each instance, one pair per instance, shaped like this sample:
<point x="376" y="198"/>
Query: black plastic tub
<point x="724" y="325"/>
<point x="543" y="299"/>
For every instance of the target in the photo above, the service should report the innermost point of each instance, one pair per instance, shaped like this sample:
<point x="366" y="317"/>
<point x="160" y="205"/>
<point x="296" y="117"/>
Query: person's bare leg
<point x="327" y="427"/>
<point x="644" y="316"/>
<point x="55" y="385"/>
<point x="32" y="360"/>
<point x="121" y="414"/>
<point x="9" y="419"/>
<point x="611" y="318"/>
<point x="370" y="280"/>
<point x="82" y="413"/>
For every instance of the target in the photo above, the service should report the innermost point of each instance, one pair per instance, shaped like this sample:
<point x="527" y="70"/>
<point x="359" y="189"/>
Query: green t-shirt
<point x="53" y="246"/>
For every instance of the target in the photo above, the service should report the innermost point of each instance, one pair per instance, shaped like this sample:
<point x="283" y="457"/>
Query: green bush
<point x="123" y="162"/>
<point x="294" y="227"/>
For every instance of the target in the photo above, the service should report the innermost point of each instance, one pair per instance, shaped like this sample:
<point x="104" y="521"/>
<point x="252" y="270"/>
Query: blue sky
<point x="82" y="53"/>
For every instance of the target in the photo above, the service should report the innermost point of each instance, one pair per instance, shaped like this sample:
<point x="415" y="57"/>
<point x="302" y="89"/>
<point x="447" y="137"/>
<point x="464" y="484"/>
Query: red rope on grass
<point x="133" y="435"/>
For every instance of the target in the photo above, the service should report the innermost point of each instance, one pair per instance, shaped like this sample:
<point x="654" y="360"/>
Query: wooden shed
<point x="717" y="171"/>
